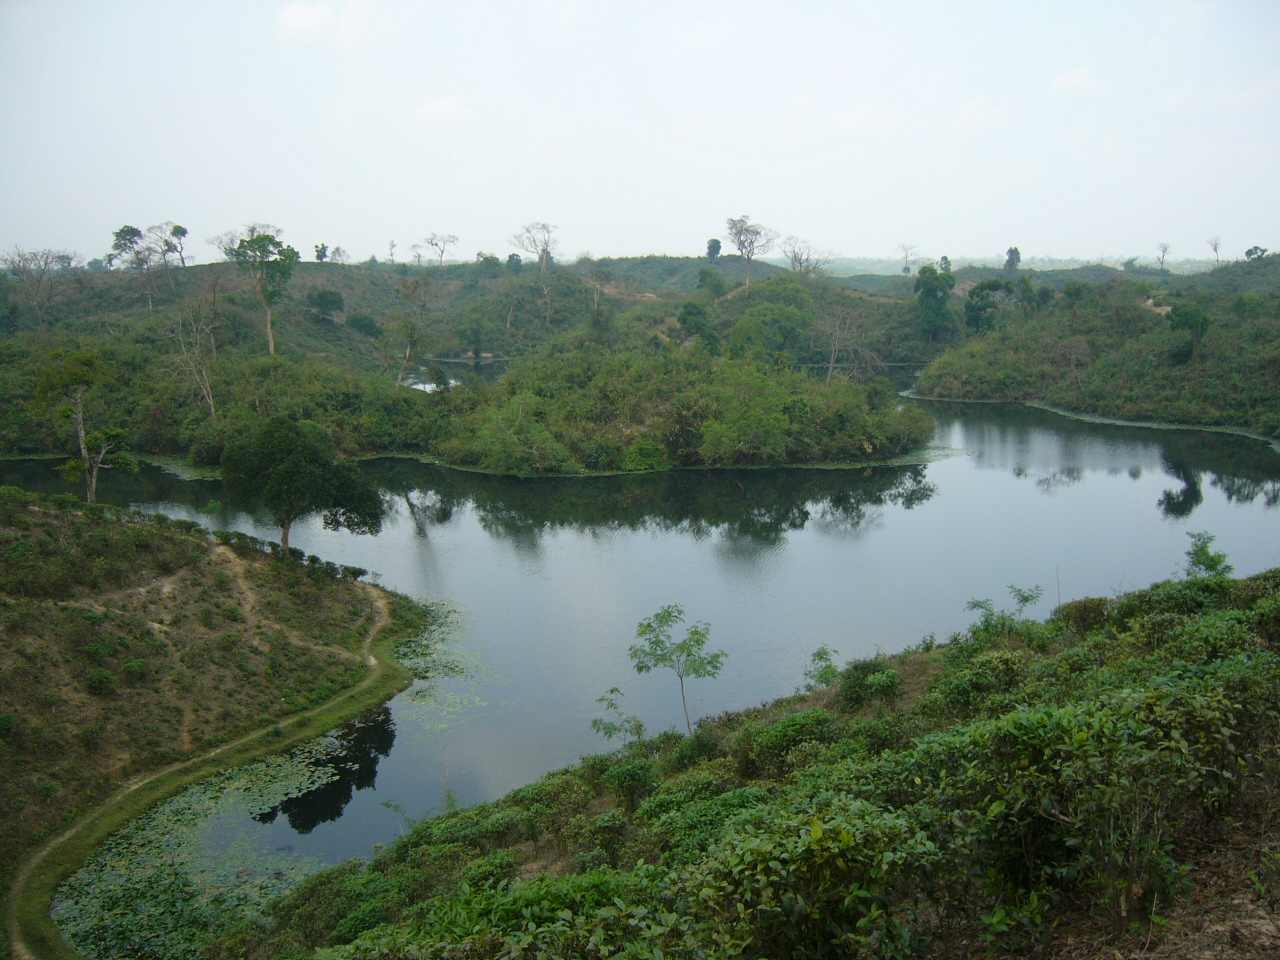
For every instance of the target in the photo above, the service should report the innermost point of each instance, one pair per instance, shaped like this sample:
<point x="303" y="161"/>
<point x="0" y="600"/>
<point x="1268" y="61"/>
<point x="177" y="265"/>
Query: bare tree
<point x="802" y="257"/>
<point x="1164" y="253"/>
<point x="840" y="322"/>
<point x="195" y="333"/>
<point x="441" y="242"/>
<point x="391" y="251"/>
<point x="751" y="239"/>
<point x="908" y="251"/>
<point x="1215" y="244"/>
<point x="36" y="274"/>
<point x="338" y="255"/>
<point x="538" y="240"/>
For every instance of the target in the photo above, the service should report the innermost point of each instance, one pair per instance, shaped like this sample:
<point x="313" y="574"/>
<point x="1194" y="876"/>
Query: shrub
<point x="631" y="781"/>
<point x="853" y="682"/>
<point x="135" y="671"/>
<point x="1083" y="616"/>
<point x="491" y="871"/>
<point x="8" y="722"/>
<point x="701" y="745"/>
<point x="762" y="750"/>
<point x="100" y="681"/>
<point x="885" y="686"/>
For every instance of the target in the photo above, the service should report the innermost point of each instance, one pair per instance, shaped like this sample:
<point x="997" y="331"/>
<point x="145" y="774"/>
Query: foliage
<point x="689" y="657"/>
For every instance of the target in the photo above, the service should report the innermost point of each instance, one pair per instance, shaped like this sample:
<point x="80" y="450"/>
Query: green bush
<point x="8" y="724"/>
<point x="853" y="693"/>
<point x="762" y="750"/>
<point x="701" y="745"/>
<point x="491" y="871"/>
<point x="631" y="781"/>
<point x="885" y="686"/>
<point x="100" y="681"/>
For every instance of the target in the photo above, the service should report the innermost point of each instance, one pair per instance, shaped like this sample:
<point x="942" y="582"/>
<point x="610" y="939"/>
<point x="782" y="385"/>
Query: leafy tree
<point x="269" y="262"/>
<point x="1012" y="258"/>
<point x="290" y="468"/>
<point x="615" y="723"/>
<point x="125" y="245"/>
<point x="1255" y="253"/>
<point x="65" y="385"/>
<point x="713" y="249"/>
<point x="980" y="305"/>
<point x="933" y="291"/>
<point x="944" y="264"/>
<point x="751" y="239"/>
<point x="686" y="658"/>
<point x="1193" y="319"/>
<point x="322" y="252"/>
<point x="1203" y="560"/>
<point x="514" y="263"/>
<point x="695" y="323"/>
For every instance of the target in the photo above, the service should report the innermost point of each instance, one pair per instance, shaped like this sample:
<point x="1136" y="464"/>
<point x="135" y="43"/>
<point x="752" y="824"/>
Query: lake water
<point x="549" y="578"/>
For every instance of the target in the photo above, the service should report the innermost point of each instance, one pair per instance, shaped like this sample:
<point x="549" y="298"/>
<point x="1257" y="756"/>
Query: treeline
<point x="999" y="794"/>
<point x="1127" y="349"/>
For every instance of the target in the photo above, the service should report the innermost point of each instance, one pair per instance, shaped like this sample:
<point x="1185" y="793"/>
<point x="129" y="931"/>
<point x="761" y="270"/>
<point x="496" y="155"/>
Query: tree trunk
<point x="77" y="414"/>
<point x="284" y="536"/>
<point x="91" y="482"/>
<point x="687" y="724"/>
<point x="271" y="338"/>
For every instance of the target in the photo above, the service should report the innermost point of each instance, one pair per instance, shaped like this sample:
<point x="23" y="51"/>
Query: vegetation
<point x="1204" y="350"/>
<point x="133" y="641"/>
<point x="1015" y="785"/>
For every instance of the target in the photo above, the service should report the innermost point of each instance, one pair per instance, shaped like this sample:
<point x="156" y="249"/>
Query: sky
<point x="1082" y="129"/>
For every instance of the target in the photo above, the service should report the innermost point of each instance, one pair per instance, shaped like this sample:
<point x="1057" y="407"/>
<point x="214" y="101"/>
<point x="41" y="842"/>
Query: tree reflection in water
<point x="359" y="745"/>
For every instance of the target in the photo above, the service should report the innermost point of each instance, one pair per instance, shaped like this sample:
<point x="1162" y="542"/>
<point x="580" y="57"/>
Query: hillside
<point x="1113" y="351"/>
<point x="1098" y="785"/>
<point x="133" y="642"/>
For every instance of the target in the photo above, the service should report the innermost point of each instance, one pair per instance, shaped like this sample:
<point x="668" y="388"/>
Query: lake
<point x="549" y="578"/>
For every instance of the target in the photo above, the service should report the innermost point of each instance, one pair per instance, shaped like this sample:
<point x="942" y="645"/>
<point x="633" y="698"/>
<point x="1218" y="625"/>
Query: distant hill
<point x="660" y="274"/>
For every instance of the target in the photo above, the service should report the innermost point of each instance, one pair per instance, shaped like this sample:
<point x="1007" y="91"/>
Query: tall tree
<point x="1163" y="249"/>
<point x="321" y="251"/>
<point x="290" y="468"/>
<point x="1012" y="259"/>
<point x="1194" y="320"/>
<point x="178" y="235"/>
<point x="125" y="244"/>
<point x="933" y="291"/>
<point x="269" y="262"/>
<point x="440" y="243"/>
<point x="1255" y="253"/>
<point x="689" y="657"/>
<point x="539" y="241"/>
<point x="65" y="386"/>
<point x="1215" y="244"/>
<point x="195" y="334"/>
<point x="751" y="240"/>
<point x="713" y="249"/>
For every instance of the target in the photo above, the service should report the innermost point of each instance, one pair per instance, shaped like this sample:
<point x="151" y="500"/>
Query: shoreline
<point x="33" y="935"/>
<point x="1104" y="421"/>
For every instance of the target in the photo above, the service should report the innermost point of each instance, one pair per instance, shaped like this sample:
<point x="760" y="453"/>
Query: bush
<point x="701" y="745"/>
<point x="885" y="686"/>
<point x="8" y="724"/>
<point x="853" y="693"/>
<point x="100" y="681"/>
<point x="1083" y="616"/>
<point x="491" y="871"/>
<point x="762" y="750"/>
<point x="631" y="781"/>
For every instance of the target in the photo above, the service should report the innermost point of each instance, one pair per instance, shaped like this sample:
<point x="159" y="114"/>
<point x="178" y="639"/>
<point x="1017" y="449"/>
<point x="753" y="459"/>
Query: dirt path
<point x="381" y="618"/>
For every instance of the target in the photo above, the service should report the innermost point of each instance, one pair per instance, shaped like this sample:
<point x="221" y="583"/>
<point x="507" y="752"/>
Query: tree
<point x="269" y="262"/>
<point x="802" y="257"/>
<point x="514" y="263"/>
<point x="538" y="240"/>
<point x="36" y="274"/>
<point x="322" y="252"/>
<point x="1164" y="252"/>
<point x="980" y="305"/>
<point x="194" y="332"/>
<point x="161" y="242"/>
<point x="440" y="243"/>
<point x="711" y="281"/>
<point x="1215" y="244"/>
<point x="178" y="236"/>
<point x="713" y="249"/>
<point x="289" y="467"/>
<point x="1193" y="319"/>
<point x="325" y="304"/>
<point x="125" y="244"/>
<point x="944" y="264"/>
<point x="751" y="239"/>
<point x="65" y="384"/>
<point x="1012" y="259"/>
<point x="391" y="251"/>
<point x="908" y="251"/>
<point x="1255" y="253"/>
<point x="615" y="723"/>
<point x="933" y="291"/>
<point x="686" y="658"/>
<point x="339" y="255"/>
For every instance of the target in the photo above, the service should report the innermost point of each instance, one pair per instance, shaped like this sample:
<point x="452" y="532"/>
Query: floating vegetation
<point x="159" y="888"/>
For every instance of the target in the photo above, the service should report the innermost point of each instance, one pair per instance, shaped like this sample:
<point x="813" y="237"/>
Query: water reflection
<point x="1055" y="452"/>
<point x="353" y="760"/>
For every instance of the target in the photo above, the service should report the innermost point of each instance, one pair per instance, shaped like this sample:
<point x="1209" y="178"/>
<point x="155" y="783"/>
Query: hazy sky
<point x="1073" y="129"/>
